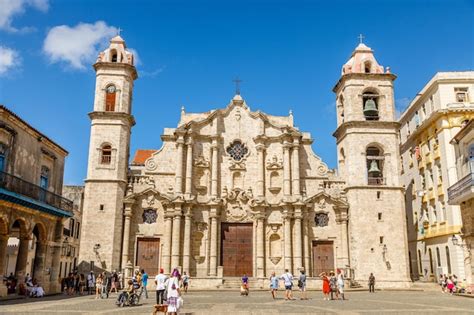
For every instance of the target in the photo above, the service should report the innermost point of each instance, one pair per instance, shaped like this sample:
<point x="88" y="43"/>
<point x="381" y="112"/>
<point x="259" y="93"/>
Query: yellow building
<point x="428" y="168"/>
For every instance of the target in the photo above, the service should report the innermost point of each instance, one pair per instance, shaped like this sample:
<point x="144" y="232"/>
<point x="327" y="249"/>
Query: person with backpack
<point x="287" y="278"/>
<point x="302" y="285"/>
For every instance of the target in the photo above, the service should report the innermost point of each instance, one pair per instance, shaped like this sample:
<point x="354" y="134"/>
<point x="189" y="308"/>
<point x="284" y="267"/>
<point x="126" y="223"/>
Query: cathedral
<point x="234" y="191"/>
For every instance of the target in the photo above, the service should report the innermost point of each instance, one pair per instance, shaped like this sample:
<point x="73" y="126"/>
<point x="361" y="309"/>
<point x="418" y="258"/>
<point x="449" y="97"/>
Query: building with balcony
<point x="428" y="168"/>
<point x="462" y="193"/>
<point x="71" y="231"/>
<point x="32" y="209"/>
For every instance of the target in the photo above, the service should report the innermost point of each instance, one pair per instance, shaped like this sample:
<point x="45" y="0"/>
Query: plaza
<point x="258" y="302"/>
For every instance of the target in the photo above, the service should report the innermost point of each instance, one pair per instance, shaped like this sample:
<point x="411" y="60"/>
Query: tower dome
<point x="117" y="52"/>
<point x="362" y="61"/>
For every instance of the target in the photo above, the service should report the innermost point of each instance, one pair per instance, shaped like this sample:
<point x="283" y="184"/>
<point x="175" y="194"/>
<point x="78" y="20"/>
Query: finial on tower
<point x="119" y="30"/>
<point x="237" y="85"/>
<point x="361" y="38"/>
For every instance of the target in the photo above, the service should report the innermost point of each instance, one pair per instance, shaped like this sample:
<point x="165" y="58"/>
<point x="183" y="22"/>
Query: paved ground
<point x="230" y="303"/>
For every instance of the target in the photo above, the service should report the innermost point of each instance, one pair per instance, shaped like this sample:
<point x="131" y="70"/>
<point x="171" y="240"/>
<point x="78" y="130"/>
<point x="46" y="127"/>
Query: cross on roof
<point x="237" y="85"/>
<point x="119" y="30"/>
<point x="361" y="37"/>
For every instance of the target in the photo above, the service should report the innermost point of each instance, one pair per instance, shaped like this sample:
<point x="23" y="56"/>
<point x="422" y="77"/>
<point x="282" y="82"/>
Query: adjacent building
<point x="32" y="209"/>
<point x="462" y="193"/>
<point x="428" y="168"/>
<point x="234" y="191"/>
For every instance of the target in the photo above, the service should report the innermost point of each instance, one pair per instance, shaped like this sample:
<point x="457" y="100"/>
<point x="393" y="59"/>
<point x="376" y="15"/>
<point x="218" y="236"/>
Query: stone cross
<point x="119" y="30"/>
<point x="237" y="85"/>
<point x="361" y="37"/>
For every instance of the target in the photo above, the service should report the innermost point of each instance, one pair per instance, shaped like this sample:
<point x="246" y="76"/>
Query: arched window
<point x="106" y="154"/>
<point x="374" y="166"/>
<point x="110" y="96"/>
<point x="448" y="260"/>
<point x="3" y="157"/>
<point x="370" y="103"/>
<point x="420" y="264"/>
<point x="431" y="261"/>
<point x="113" y="56"/>
<point x="367" y="66"/>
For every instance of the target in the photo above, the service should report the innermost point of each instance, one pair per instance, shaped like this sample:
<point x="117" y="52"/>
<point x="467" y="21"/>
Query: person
<point x="326" y="286"/>
<point x="372" y="283"/>
<point x="302" y="285"/>
<point x="442" y="282"/>
<point x="273" y="284"/>
<point x="137" y="281"/>
<point x="185" y="282"/>
<point x="114" y="284"/>
<point x="144" y="283"/>
<point x="160" y="281"/>
<point x="173" y="293"/>
<point x="98" y="285"/>
<point x="120" y="280"/>
<point x="125" y="294"/>
<point x="82" y="283"/>
<point x="90" y="281"/>
<point x="287" y="278"/>
<point x="76" y="282"/>
<point x="36" y="291"/>
<point x="450" y="285"/>
<point x="340" y="284"/>
<point x="455" y="280"/>
<point x="333" y="285"/>
<point x="70" y="284"/>
<point x="244" y="287"/>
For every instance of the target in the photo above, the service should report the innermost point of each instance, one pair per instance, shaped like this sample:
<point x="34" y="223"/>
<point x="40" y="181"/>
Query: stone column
<point x="297" y="250"/>
<point x="3" y="255"/>
<point x="287" y="227"/>
<point x="175" y="245"/>
<point x="167" y="243"/>
<point x="55" y="283"/>
<point x="215" y="168"/>
<point x="260" y="246"/>
<point x="39" y="262"/>
<point x="213" y="260"/>
<point x="22" y="258"/>
<point x="189" y="168"/>
<point x="179" y="165"/>
<point x="344" y="240"/>
<point x="306" y="251"/>
<point x="261" y="170"/>
<point x="187" y="238"/>
<point x="295" y="172"/>
<point x="286" y="170"/>
<point x="127" y="213"/>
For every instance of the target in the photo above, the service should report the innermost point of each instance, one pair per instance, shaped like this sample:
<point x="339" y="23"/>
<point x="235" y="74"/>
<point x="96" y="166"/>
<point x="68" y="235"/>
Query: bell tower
<point x="105" y="186"/>
<point x="368" y="155"/>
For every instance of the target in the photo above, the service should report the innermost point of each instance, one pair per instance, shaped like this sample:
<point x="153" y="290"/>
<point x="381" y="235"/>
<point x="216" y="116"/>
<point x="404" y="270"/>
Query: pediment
<point x="322" y="198"/>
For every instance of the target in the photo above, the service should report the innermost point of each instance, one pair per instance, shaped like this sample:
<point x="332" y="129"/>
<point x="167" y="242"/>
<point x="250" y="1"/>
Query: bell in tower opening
<point x="371" y="111"/>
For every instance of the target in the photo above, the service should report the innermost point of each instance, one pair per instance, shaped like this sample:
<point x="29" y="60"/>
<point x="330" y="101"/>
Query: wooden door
<point x="323" y="257"/>
<point x="148" y="255"/>
<point x="236" y="249"/>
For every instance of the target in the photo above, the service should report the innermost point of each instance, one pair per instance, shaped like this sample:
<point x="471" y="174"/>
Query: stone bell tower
<point x="368" y="155"/>
<point x="105" y="186"/>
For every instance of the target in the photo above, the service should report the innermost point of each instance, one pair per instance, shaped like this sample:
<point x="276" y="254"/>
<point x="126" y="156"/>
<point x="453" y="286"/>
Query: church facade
<point x="234" y="191"/>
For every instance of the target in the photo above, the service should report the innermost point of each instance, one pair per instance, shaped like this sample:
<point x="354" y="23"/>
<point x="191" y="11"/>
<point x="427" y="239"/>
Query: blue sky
<point x="288" y="53"/>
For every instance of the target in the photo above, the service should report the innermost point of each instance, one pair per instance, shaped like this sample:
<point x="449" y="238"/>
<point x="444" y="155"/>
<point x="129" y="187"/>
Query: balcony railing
<point x="22" y="187"/>
<point x="376" y="181"/>
<point x="463" y="186"/>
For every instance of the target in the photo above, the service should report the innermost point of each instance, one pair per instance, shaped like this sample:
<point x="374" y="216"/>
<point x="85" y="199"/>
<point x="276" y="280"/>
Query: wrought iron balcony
<point x="19" y="186"/>
<point x="462" y="190"/>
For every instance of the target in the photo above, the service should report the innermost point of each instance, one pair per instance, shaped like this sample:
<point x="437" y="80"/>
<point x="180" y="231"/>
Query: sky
<point x="288" y="54"/>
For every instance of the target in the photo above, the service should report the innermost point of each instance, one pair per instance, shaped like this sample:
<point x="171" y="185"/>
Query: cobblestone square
<point x="259" y="302"/>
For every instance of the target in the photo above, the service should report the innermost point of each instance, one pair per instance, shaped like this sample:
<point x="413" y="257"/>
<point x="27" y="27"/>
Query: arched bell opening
<point x="370" y="101"/>
<point x="375" y="159"/>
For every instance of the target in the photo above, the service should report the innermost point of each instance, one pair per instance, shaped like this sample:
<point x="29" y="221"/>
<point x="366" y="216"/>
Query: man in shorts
<point x="287" y="278"/>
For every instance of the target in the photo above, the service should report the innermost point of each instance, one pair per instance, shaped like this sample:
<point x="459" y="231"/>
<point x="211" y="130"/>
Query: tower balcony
<point x="19" y="191"/>
<point x="376" y="181"/>
<point x="462" y="190"/>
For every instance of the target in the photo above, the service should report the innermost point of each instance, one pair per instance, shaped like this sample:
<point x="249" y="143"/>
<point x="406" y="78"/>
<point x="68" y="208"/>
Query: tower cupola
<point x="363" y="61"/>
<point x="117" y="52"/>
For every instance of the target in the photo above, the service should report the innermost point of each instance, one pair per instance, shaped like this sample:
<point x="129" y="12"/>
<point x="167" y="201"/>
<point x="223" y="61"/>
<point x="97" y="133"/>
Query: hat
<point x="161" y="270"/>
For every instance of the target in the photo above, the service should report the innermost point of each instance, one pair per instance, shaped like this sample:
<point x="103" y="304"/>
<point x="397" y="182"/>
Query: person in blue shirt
<point x="144" y="282"/>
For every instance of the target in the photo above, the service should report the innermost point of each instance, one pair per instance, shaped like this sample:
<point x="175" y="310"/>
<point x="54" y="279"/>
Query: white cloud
<point x="9" y="59"/>
<point x="11" y="8"/>
<point x="77" y="45"/>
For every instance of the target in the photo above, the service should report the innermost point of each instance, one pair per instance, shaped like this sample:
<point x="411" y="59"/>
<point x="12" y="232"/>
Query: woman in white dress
<point x="173" y="293"/>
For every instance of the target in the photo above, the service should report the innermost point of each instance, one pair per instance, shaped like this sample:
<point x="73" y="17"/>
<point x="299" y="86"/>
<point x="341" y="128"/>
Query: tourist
<point x="333" y="285"/>
<point x="137" y="281"/>
<point x="273" y="284"/>
<point x="173" y="293"/>
<point x="302" y="285"/>
<point x="244" y="287"/>
<point x="450" y="285"/>
<point x="340" y="284"/>
<point x="372" y="283"/>
<point x="82" y="283"/>
<point x="442" y="283"/>
<point x="98" y="285"/>
<point x="326" y="286"/>
<point x="455" y="280"/>
<point x="120" y="280"/>
<point x="70" y="284"/>
<point x="115" y="283"/>
<point x="90" y="282"/>
<point x="144" y="283"/>
<point x="160" y="281"/>
<point x="185" y="282"/>
<point x="287" y="278"/>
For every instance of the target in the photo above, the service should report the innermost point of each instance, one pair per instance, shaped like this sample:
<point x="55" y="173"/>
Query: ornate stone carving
<point x="238" y="204"/>
<point x="149" y="216"/>
<point x="150" y="165"/>
<point x="274" y="164"/>
<point x="237" y="150"/>
<point x="201" y="161"/>
<point x="321" y="219"/>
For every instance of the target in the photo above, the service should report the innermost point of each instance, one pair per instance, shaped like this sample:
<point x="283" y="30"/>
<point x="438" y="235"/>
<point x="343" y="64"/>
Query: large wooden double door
<point x="148" y="255"/>
<point x="323" y="257"/>
<point x="236" y="249"/>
